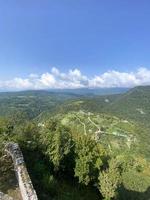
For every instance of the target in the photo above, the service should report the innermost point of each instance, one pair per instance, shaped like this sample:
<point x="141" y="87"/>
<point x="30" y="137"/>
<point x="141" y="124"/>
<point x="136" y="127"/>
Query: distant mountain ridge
<point x="93" y="91"/>
<point x="78" y="91"/>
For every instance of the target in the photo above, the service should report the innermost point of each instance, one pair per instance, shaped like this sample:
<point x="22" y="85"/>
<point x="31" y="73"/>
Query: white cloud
<point x="75" y="79"/>
<point x="47" y="80"/>
<point x="115" y="79"/>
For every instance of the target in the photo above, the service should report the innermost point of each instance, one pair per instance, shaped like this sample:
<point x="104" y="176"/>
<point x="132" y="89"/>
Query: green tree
<point x="88" y="159"/>
<point x="57" y="143"/>
<point x="109" y="180"/>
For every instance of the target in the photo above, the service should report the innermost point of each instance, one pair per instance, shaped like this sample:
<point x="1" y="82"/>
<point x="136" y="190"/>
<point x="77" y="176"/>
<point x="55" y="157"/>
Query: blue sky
<point x="93" y="36"/>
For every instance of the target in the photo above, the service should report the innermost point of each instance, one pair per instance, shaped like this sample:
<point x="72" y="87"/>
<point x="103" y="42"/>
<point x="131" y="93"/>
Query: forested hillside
<point x="30" y="104"/>
<point x="134" y="104"/>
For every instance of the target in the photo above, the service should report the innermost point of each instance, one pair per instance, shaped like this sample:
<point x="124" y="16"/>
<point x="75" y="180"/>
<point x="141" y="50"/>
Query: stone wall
<point x="24" y="181"/>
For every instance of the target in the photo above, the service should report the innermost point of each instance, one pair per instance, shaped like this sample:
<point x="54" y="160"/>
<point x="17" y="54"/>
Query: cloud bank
<point x="75" y="79"/>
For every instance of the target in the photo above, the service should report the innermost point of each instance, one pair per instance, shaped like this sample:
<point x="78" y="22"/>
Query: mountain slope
<point x="134" y="105"/>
